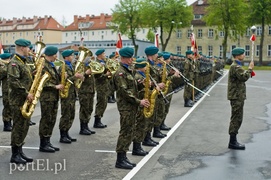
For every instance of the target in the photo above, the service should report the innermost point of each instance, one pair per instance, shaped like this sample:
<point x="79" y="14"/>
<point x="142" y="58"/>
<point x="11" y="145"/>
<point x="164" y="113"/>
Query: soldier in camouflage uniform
<point x="49" y="101"/>
<point x="189" y="73"/>
<point x="68" y="104"/>
<point x="237" y="94"/>
<point x="86" y="95"/>
<point x="127" y="103"/>
<point x="19" y="79"/>
<point x="111" y="96"/>
<point x="102" y="90"/>
<point x="6" y="113"/>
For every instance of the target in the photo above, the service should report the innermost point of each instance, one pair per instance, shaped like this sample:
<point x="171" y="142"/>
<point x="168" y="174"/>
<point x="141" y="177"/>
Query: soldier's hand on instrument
<point x="144" y="102"/>
<point x="59" y="87"/>
<point x="66" y="75"/>
<point x="108" y="73"/>
<point x="88" y="72"/>
<point x="251" y="65"/>
<point x="161" y="85"/>
<point x="79" y="75"/>
<point x="30" y="97"/>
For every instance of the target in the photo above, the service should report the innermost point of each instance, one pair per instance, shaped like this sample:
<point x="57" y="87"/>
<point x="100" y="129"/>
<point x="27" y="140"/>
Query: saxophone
<point x="164" y="78"/>
<point x="65" y="92"/>
<point x="36" y="89"/>
<point x="151" y="96"/>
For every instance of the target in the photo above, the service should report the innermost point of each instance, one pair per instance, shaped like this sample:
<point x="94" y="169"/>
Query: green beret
<point x="99" y="51"/>
<point x="6" y="51"/>
<point x="50" y="50"/>
<point x="166" y="56"/>
<point x="189" y="52"/>
<point x="126" y="52"/>
<point x="238" y="51"/>
<point x="151" y="50"/>
<point x="5" y="56"/>
<point x="31" y="47"/>
<point x="160" y="55"/>
<point x="111" y="55"/>
<point x="67" y="52"/>
<point x="140" y="60"/>
<point x="22" y="42"/>
<point x="200" y="53"/>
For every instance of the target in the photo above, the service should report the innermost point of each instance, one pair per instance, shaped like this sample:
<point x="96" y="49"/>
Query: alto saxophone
<point x="66" y="83"/>
<point x="164" y="78"/>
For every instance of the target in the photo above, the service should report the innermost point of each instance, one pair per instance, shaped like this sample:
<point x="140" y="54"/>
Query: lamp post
<point x="179" y="23"/>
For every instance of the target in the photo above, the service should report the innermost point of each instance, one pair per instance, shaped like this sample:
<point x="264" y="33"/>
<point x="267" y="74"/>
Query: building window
<point x="259" y="30"/>
<point x="66" y="34"/>
<point x="210" y="33"/>
<point x="143" y="31"/>
<point x="248" y="32"/>
<point x="179" y="33"/>
<point x="189" y="33"/>
<point x="269" y="50"/>
<point x="232" y="47"/>
<point x="93" y="33"/>
<point x="199" y="33"/>
<point x="221" y="34"/>
<point x="257" y="53"/>
<point x="179" y="50"/>
<point x="247" y="50"/>
<point x="221" y="51"/>
<point x="102" y="37"/>
<point x="188" y="48"/>
<point x="210" y="50"/>
<point x="199" y="48"/>
<point x="74" y="38"/>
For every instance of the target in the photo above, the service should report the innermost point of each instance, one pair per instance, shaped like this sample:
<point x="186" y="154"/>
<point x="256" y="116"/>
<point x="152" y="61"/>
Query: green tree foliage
<point x="151" y="36"/>
<point x="159" y="14"/>
<point x="229" y="16"/>
<point x="126" y="19"/>
<point x="260" y="13"/>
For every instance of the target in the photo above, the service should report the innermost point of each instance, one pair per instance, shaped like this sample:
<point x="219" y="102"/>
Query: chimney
<point x="24" y="20"/>
<point x="4" y="21"/>
<point x="14" y="20"/>
<point x="102" y="18"/>
<point x="45" y="19"/>
<point x="75" y="19"/>
<point x="35" y="19"/>
<point x="87" y="18"/>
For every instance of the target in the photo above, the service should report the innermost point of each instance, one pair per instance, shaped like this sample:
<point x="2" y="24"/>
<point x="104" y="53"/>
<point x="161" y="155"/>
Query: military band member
<point x="237" y="94"/>
<point x="6" y="112"/>
<point x="102" y="90"/>
<point x="68" y="104"/>
<point x="49" y="100"/>
<point x="86" y="95"/>
<point x="111" y="96"/>
<point x="19" y="82"/>
<point x="189" y="73"/>
<point x="127" y="103"/>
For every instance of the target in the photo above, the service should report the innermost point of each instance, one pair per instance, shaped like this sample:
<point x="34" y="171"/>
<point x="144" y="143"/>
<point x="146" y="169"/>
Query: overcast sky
<point x="57" y="8"/>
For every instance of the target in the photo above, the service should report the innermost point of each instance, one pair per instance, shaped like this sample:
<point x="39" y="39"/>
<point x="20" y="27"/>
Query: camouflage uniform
<point x="189" y="71"/>
<point x="127" y="104"/>
<point x="19" y="82"/>
<point x="237" y="94"/>
<point x="68" y="104"/>
<point x="49" y="101"/>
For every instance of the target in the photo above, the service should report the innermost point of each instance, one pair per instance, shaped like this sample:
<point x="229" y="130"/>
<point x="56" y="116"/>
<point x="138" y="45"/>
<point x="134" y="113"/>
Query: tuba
<point x="36" y="87"/>
<point x="79" y="66"/>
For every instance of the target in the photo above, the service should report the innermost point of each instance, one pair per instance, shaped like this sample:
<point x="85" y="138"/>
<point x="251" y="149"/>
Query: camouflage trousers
<point x="6" y="112"/>
<point x="236" y="116"/>
<point x="187" y="94"/>
<point x="20" y="127"/>
<point x="48" y="118"/>
<point x="167" y="106"/>
<point x="101" y="104"/>
<point x="86" y="106"/>
<point x="127" y="127"/>
<point x="140" y="127"/>
<point x="159" y="111"/>
<point x="67" y="113"/>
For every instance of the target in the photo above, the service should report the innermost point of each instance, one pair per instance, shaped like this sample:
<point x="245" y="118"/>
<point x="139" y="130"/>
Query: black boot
<point x="7" y="126"/>
<point x="113" y="98"/>
<point x="234" y="144"/>
<point x="64" y="138"/>
<point x="84" y="130"/>
<point x="127" y="160"/>
<point x="110" y="100"/>
<point x="16" y="156"/>
<point x="44" y="146"/>
<point x="157" y="133"/>
<point x="28" y="159"/>
<point x="91" y="131"/>
<point x="98" y="123"/>
<point x="188" y="103"/>
<point x="137" y="150"/>
<point x="31" y="123"/>
<point x="49" y="144"/>
<point x="164" y="127"/>
<point x="148" y="141"/>
<point x="69" y="137"/>
<point x="121" y="162"/>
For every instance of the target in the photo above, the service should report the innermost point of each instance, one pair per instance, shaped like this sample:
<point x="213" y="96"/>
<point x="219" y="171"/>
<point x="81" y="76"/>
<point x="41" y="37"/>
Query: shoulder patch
<point x="13" y="64"/>
<point x="120" y="74"/>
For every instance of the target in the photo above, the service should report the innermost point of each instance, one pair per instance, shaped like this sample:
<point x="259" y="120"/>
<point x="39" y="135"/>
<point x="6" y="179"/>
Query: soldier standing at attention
<point x="19" y="80"/>
<point x="102" y="90"/>
<point x="237" y="94"/>
<point x="68" y="103"/>
<point x="6" y="113"/>
<point x="111" y="96"/>
<point x="86" y="99"/>
<point x="189" y="72"/>
<point x="128" y="103"/>
<point x="49" y="101"/>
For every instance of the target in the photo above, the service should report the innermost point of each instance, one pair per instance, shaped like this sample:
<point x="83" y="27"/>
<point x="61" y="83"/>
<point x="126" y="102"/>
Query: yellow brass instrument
<point x="36" y="56"/>
<point x="36" y="88"/>
<point x="79" y="66"/>
<point x="3" y="62"/>
<point x="66" y="83"/>
<point x="112" y="66"/>
<point x="164" y="78"/>
<point x="96" y="67"/>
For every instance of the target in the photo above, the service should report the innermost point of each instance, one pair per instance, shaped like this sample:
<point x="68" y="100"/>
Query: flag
<point x="1" y="48"/>
<point x="253" y="37"/>
<point x="156" y="40"/>
<point x="119" y="44"/>
<point x="194" y="46"/>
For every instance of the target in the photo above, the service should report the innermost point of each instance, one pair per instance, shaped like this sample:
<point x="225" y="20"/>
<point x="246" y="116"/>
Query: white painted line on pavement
<point x="132" y="173"/>
<point x="106" y="151"/>
<point x="23" y="147"/>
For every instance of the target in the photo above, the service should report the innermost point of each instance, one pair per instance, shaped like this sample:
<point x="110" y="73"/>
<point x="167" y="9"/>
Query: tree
<point x="151" y="35"/>
<point x="260" y="14"/>
<point x="126" y="19"/>
<point x="229" y="16"/>
<point x="159" y="15"/>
